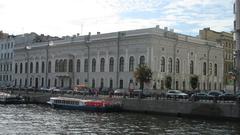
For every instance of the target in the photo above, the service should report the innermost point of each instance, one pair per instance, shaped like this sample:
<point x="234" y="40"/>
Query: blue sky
<point x="68" y="17"/>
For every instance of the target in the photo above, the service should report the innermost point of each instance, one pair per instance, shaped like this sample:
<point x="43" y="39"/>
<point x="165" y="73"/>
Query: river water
<point x="38" y="119"/>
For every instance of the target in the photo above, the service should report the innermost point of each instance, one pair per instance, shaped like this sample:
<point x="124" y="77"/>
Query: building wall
<point x="225" y="40"/>
<point x="152" y="44"/>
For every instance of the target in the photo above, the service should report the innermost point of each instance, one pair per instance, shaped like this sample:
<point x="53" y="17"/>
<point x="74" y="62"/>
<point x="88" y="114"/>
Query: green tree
<point x="143" y="74"/>
<point x="168" y="82"/>
<point x="194" y="81"/>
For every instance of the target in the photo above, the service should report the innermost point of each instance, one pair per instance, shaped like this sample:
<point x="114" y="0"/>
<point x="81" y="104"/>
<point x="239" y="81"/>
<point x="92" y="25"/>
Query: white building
<point x="65" y="62"/>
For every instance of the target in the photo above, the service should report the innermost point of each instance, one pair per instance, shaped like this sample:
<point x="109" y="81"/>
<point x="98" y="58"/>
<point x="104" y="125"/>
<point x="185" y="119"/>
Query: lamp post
<point x="50" y="43"/>
<point x="87" y="42"/>
<point x="234" y="75"/>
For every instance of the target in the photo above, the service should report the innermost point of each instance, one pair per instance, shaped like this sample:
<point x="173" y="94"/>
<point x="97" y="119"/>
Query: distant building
<point x="225" y="40"/>
<point x="7" y="46"/>
<point x="113" y="57"/>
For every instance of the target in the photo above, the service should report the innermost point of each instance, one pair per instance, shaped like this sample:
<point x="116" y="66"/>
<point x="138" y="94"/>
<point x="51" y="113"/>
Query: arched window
<point x="191" y="67"/>
<point x="78" y="65"/>
<point x="94" y="65"/>
<point x="43" y="67"/>
<point x="31" y="67"/>
<point x="61" y="66"/>
<point x="131" y="64"/>
<point x="177" y="66"/>
<point x="111" y="64"/>
<point x="86" y="65"/>
<point x="170" y="65"/>
<point x="142" y="60"/>
<point x="204" y="68"/>
<point x="37" y="67"/>
<point x="65" y="65"/>
<point x="102" y="63"/>
<point x="56" y="66"/>
<point x="215" y="69"/>
<point x="162" y="64"/>
<point x="121" y="65"/>
<point x="21" y="68"/>
<point x="111" y="83"/>
<point x="49" y="66"/>
<point x="70" y="65"/>
<point x="16" y="68"/>
<point x="26" y="67"/>
<point x="121" y="84"/>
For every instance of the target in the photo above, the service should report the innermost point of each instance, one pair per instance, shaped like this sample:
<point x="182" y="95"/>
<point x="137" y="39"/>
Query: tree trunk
<point x="141" y="85"/>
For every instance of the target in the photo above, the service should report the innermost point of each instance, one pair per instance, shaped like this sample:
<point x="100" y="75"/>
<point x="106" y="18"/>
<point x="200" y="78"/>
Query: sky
<point x="69" y="17"/>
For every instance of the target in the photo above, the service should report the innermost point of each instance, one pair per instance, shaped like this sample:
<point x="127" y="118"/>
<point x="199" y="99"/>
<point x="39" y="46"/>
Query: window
<point x="177" y="66"/>
<point x="26" y="67"/>
<point x="21" y="68"/>
<point x="204" y="68"/>
<point x="142" y="60"/>
<point x="93" y="65"/>
<point x="121" y="65"/>
<point x="121" y="84"/>
<point x="43" y="67"/>
<point x="31" y="67"/>
<point x="102" y="63"/>
<point x="56" y="66"/>
<point x="70" y="65"/>
<point x="37" y="67"/>
<point x="215" y="69"/>
<point x="111" y="83"/>
<point x="191" y="67"/>
<point x="131" y="64"/>
<point x="16" y="68"/>
<point x="49" y="67"/>
<point x="86" y="65"/>
<point x="65" y="65"/>
<point x="78" y="65"/>
<point x="111" y="64"/>
<point x="170" y="65"/>
<point x="162" y="64"/>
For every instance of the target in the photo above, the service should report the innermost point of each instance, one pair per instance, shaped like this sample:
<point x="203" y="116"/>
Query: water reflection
<point x="34" y="119"/>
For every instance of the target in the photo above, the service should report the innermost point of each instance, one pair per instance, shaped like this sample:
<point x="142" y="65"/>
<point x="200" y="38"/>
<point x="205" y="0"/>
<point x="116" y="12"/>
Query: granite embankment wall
<point x="160" y="106"/>
<point x="183" y="108"/>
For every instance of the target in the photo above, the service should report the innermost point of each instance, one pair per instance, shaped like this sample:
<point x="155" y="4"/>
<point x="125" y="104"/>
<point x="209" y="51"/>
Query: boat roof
<point x="73" y="99"/>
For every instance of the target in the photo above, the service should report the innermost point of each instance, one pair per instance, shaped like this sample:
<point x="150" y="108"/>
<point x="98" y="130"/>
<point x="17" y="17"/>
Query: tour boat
<point x="6" y="98"/>
<point x="85" y="105"/>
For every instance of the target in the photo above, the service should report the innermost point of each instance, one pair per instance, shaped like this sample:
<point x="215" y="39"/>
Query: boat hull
<point x="114" y="108"/>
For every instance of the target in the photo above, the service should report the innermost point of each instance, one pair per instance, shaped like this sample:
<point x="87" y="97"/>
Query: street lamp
<point x="87" y="42"/>
<point x="50" y="43"/>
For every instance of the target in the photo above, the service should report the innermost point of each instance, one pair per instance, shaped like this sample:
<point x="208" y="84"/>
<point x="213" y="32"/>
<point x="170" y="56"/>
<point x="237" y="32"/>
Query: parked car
<point x="176" y="93"/>
<point x="214" y="94"/>
<point x="227" y="96"/>
<point x="200" y="96"/>
<point x="105" y="91"/>
<point x="121" y="92"/>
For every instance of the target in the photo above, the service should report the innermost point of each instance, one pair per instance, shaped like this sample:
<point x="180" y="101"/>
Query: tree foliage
<point x="143" y="74"/>
<point x="194" y="81"/>
<point x="168" y="82"/>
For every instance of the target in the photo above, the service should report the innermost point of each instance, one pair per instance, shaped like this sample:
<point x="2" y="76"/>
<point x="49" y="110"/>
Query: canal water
<point x="38" y="119"/>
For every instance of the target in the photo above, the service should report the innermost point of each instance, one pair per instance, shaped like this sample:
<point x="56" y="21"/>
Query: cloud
<point x="68" y="17"/>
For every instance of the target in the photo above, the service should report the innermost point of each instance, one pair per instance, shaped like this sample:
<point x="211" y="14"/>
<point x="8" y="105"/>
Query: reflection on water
<point x="34" y="119"/>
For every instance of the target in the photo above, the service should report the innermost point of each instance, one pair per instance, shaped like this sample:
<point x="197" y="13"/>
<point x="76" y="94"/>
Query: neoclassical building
<point x="109" y="60"/>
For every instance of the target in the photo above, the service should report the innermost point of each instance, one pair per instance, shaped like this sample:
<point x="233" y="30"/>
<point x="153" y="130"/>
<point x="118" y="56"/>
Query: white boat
<point x="82" y="104"/>
<point x="6" y="98"/>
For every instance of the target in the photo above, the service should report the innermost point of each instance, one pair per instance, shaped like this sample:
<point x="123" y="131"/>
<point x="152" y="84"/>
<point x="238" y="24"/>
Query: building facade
<point x="225" y="40"/>
<point x="109" y="60"/>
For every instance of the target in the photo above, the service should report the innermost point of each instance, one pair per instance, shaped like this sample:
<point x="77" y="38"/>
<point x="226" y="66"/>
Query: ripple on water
<point x="34" y="119"/>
